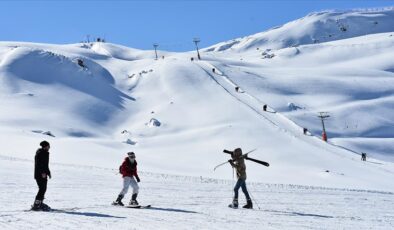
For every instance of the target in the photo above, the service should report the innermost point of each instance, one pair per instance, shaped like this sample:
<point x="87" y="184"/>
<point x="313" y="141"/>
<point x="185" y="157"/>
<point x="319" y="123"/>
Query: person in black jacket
<point x="41" y="174"/>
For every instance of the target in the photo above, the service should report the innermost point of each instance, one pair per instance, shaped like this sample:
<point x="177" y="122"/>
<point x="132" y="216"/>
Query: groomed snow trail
<point x="82" y="197"/>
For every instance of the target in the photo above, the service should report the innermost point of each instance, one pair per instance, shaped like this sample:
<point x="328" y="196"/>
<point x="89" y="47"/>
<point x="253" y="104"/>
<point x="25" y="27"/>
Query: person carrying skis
<point x="128" y="169"/>
<point x="41" y="174"/>
<point x="238" y="162"/>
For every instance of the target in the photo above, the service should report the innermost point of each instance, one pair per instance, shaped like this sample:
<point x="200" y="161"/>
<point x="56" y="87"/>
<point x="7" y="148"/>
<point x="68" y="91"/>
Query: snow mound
<point x="293" y="107"/>
<point x="121" y="52"/>
<point x="43" y="67"/>
<point x="154" y="123"/>
<point x="130" y="142"/>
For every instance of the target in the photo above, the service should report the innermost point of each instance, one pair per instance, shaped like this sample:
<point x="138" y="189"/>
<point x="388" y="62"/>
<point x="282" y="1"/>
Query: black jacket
<point x="41" y="163"/>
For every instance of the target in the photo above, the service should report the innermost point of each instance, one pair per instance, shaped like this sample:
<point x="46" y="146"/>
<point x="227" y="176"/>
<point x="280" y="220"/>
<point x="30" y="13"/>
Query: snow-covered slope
<point x="95" y="102"/>
<point x="100" y="111"/>
<point x="315" y="28"/>
<point x="352" y="79"/>
<point x="81" y="195"/>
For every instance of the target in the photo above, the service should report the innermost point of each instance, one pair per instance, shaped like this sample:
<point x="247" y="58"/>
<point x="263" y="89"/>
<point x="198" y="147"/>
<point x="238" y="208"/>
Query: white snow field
<point x="81" y="196"/>
<point x="95" y="102"/>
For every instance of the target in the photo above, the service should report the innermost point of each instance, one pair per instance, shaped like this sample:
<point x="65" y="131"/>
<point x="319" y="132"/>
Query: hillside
<point x="94" y="102"/>
<point x="98" y="112"/>
<point x="318" y="27"/>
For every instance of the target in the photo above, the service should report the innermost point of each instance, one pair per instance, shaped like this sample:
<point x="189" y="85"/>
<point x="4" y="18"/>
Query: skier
<point x="41" y="174"/>
<point x="238" y="162"/>
<point x="363" y="156"/>
<point x="128" y="169"/>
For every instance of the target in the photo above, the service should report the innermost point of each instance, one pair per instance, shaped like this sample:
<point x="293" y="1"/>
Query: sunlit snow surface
<point x="94" y="112"/>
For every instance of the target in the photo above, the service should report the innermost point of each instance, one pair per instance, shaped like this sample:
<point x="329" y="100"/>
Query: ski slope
<point x="81" y="194"/>
<point x="316" y="27"/>
<point x="178" y="115"/>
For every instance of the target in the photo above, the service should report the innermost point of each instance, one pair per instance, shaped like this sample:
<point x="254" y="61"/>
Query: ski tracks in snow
<point x="82" y="198"/>
<point x="274" y="118"/>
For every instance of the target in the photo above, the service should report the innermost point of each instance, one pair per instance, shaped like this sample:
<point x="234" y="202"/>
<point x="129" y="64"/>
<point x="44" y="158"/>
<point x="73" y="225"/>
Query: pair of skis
<point x="244" y="156"/>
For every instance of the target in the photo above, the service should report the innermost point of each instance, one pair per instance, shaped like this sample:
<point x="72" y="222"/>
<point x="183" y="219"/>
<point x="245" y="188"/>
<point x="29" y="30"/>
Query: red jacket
<point x="128" y="169"/>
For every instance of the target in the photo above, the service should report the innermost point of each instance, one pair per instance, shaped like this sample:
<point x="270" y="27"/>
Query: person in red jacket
<point x="128" y="169"/>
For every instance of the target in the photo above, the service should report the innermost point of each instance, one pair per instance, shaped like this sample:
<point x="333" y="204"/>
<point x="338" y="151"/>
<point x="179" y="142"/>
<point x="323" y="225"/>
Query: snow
<point x="315" y="28"/>
<point x="81" y="195"/>
<point x="178" y="115"/>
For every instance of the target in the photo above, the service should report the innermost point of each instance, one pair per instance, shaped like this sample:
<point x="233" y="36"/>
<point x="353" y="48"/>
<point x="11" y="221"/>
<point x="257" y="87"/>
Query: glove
<point x="49" y="175"/>
<point x="230" y="161"/>
<point x="138" y="179"/>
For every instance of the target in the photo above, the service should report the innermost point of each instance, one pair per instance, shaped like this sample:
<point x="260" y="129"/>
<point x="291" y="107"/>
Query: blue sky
<point x="138" y="24"/>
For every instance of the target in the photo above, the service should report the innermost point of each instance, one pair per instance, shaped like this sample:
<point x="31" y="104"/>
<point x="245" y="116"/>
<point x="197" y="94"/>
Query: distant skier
<point x="80" y="63"/>
<point x="238" y="162"/>
<point x="363" y="156"/>
<point x="128" y="169"/>
<point x="41" y="174"/>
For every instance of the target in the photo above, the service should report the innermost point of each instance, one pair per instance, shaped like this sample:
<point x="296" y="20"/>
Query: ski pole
<point x="217" y="166"/>
<point x="254" y="200"/>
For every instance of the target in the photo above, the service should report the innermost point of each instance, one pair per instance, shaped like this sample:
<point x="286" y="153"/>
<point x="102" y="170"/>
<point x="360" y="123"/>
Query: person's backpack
<point x="120" y="169"/>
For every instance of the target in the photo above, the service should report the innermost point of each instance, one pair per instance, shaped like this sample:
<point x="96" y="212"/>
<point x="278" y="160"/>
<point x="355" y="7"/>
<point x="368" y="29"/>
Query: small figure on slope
<point x="238" y="162"/>
<point x="128" y="169"/>
<point x="363" y="156"/>
<point x="41" y="174"/>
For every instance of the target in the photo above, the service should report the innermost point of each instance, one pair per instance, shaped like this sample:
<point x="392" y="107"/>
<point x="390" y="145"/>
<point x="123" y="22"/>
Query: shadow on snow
<point x="90" y="214"/>
<point x="298" y="214"/>
<point x="171" y="210"/>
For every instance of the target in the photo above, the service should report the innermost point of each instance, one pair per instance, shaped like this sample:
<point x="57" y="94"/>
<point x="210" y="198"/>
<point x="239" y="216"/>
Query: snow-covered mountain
<point x="315" y="28"/>
<point x="95" y="102"/>
<point x="99" y="100"/>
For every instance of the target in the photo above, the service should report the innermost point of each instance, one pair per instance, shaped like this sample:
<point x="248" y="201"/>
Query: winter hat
<point x="131" y="154"/>
<point x="44" y="144"/>
<point x="237" y="152"/>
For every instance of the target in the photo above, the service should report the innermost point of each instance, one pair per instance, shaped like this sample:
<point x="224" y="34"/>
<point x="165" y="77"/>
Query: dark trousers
<point x="42" y="188"/>
<point x="241" y="184"/>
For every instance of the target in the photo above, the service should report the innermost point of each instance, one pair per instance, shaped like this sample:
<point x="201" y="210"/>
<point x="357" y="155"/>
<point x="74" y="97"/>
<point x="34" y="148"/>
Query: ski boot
<point x="249" y="204"/>
<point x="40" y="206"/>
<point x="234" y="204"/>
<point x="37" y="205"/>
<point x="45" y="207"/>
<point x="133" y="201"/>
<point x="118" y="201"/>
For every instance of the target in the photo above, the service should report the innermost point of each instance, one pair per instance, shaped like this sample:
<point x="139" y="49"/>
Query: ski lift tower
<point x="323" y="116"/>
<point x="155" y="45"/>
<point x="196" y="41"/>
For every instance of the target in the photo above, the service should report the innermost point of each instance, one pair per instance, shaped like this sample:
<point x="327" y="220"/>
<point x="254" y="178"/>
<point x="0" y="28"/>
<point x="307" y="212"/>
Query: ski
<point x="258" y="161"/>
<point x="248" y="158"/>
<point x="245" y="156"/>
<point x="231" y="152"/>
<point x="138" y="206"/>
